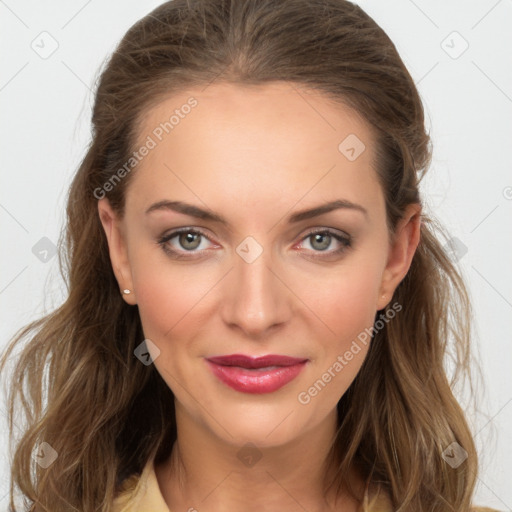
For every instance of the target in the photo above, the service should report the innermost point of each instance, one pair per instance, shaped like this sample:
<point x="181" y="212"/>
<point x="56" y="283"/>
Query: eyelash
<point x="345" y="241"/>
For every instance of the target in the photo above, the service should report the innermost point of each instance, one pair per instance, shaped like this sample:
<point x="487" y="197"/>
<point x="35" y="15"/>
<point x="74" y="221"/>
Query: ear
<point x="117" y="249"/>
<point x="401" y="252"/>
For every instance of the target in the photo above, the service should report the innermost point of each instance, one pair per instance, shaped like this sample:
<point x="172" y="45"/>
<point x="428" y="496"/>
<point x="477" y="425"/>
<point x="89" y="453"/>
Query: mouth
<point x="263" y="374"/>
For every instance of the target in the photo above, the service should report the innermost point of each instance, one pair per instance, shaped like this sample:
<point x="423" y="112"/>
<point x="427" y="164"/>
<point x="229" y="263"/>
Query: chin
<point x="263" y="429"/>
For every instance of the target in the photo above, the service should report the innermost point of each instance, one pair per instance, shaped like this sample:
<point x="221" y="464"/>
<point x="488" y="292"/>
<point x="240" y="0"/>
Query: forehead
<point x="255" y="141"/>
<point x="219" y="107"/>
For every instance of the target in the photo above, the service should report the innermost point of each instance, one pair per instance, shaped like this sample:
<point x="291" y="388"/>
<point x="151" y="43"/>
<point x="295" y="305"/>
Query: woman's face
<point x="260" y="281"/>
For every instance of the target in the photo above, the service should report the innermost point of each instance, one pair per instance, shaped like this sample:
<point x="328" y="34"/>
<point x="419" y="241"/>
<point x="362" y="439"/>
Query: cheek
<point x="343" y="302"/>
<point x="166" y="300"/>
<point x="170" y="308"/>
<point x="346" y="313"/>
<point x="346" y="309"/>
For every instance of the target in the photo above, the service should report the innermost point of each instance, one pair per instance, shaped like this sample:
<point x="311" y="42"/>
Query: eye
<point x="188" y="240"/>
<point x="189" y="244"/>
<point x="321" y="239"/>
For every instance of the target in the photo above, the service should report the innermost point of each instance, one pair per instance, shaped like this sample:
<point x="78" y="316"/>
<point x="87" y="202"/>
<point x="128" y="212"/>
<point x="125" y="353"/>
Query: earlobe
<point x="117" y="249"/>
<point x="401" y="253"/>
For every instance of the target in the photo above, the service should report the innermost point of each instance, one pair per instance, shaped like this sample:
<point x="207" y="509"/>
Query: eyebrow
<point x="200" y="213"/>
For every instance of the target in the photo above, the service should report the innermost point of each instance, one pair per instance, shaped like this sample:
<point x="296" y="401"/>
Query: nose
<point x="255" y="296"/>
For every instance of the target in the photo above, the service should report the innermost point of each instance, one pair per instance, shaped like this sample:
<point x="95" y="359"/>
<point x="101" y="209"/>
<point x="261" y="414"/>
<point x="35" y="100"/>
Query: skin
<point x="255" y="155"/>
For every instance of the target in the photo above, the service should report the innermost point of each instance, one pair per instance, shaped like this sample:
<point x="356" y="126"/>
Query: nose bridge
<point x="256" y="299"/>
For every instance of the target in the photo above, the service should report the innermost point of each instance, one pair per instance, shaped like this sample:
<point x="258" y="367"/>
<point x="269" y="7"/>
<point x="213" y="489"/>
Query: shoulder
<point x="140" y="492"/>
<point x="143" y="493"/>
<point x="130" y="488"/>
<point x="377" y="499"/>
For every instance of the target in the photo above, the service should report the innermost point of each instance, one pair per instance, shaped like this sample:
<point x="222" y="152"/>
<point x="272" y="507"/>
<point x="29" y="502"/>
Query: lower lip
<point x="256" y="381"/>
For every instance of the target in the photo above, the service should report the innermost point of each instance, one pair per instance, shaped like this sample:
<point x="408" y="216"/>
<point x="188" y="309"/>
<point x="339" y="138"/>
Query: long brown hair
<point x="82" y="389"/>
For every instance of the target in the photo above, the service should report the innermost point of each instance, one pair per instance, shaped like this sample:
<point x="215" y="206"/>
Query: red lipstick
<point x="256" y="375"/>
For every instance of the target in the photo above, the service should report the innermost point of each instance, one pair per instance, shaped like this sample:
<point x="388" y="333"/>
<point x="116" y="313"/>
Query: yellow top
<point x="142" y="494"/>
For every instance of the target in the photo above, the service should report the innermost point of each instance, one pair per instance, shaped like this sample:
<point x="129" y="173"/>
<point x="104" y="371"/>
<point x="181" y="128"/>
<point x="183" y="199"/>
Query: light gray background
<point x="46" y="107"/>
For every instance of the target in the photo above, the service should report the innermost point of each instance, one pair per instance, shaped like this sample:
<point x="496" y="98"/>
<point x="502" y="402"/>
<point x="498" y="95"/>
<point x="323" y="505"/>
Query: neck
<point x="210" y="474"/>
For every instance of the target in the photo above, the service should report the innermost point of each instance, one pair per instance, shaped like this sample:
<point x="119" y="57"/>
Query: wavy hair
<point x="80" y="386"/>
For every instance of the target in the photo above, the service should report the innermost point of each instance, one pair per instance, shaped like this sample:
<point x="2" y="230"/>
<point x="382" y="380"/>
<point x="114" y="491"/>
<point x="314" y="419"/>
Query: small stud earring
<point x="126" y="292"/>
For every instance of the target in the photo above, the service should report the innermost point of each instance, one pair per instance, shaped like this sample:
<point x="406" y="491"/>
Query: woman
<point x="258" y="305"/>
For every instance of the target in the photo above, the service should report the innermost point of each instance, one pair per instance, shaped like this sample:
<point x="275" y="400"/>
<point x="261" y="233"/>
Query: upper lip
<point x="244" y="361"/>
